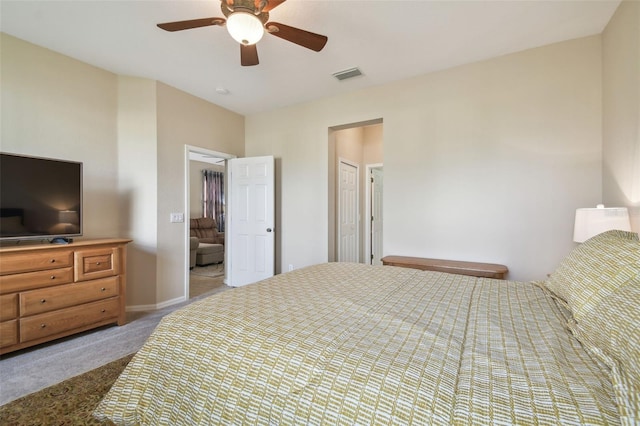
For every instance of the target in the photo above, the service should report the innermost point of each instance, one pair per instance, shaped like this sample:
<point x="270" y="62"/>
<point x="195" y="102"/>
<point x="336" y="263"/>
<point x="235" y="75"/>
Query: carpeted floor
<point x="32" y="369"/>
<point x="68" y="403"/>
<point x="72" y="401"/>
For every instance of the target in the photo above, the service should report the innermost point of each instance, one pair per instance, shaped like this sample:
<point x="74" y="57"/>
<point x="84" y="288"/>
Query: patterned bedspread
<point x="349" y="344"/>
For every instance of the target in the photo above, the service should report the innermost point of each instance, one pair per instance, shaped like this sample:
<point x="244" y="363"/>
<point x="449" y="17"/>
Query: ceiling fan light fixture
<point x="245" y="27"/>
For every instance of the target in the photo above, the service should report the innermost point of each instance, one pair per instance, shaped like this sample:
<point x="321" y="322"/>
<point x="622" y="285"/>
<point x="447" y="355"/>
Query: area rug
<point x="68" y="403"/>
<point x="213" y="270"/>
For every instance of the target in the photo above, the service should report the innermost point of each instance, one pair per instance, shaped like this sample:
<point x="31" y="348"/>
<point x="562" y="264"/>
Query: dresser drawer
<point x="51" y="323"/>
<point x="30" y="280"/>
<point x="39" y="301"/>
<point x="8" y="306"/>
<point x="50" y="291"/>
<point x="13" y="263"/>
<point x="98" y="263"/>
<point x="8" y="333"/>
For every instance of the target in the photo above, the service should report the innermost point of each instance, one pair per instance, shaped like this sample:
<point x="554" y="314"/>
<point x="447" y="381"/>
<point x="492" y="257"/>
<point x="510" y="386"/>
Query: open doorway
<point x="354" y="148"/>
<point x="205" y="189"/>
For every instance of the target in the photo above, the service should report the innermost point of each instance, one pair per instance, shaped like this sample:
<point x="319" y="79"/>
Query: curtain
<point x="214" y="197"/>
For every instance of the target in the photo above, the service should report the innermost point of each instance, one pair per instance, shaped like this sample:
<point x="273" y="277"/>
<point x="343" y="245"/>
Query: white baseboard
<point x="142" y="308"/>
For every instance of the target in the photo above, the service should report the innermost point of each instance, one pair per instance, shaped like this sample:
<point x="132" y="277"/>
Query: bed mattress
<point x="343" y="343"/>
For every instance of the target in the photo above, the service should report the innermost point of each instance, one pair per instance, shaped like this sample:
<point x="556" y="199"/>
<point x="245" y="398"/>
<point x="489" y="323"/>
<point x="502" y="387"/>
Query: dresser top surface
<point x="24" y="247"/>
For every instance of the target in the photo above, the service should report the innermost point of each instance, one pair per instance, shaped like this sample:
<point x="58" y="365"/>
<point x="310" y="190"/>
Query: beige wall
<point x="621" y="110"/>
<point x="483" y="162"/>
<point x="138" y="184"/>
<point x="184" y="120"/>
<point x="57" y="107"/>
<point x="131" y="134"/>
<point x="372" y="152"/>
<point x="195" y="188"/>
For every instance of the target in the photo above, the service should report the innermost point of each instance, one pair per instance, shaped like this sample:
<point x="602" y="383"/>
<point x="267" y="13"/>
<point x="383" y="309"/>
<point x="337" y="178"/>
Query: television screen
<point x="40" y="198"/>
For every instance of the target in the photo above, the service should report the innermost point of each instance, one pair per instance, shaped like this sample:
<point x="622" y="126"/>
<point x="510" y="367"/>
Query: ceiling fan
<point x="247" y="21"/>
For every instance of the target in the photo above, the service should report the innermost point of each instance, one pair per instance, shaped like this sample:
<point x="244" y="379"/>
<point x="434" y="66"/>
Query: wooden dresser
<point x="48" y="291"/>
<point x="475" y="269"/>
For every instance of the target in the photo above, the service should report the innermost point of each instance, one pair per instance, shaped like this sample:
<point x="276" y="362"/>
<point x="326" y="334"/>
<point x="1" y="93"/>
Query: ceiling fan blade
<point x="248" y="55"/>
<point x="193" y="23"/>
<point x="300" y="37"/>
<point x="272" y="4"/>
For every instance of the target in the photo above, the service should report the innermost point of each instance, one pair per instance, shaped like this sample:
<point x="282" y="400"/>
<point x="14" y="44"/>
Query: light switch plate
<point x="176" y="217"/>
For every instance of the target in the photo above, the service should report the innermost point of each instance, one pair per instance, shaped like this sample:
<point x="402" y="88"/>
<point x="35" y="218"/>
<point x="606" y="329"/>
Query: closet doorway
<point x="355" y="152"/>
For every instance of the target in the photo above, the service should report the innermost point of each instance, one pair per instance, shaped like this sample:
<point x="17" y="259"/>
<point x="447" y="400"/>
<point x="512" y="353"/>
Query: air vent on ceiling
<point x="350" y="73"/>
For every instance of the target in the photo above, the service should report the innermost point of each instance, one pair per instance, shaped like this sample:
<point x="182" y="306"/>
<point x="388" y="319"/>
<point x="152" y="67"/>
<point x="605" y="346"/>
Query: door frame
<point x="188" y="149"/>
<point x="368" y="209"/>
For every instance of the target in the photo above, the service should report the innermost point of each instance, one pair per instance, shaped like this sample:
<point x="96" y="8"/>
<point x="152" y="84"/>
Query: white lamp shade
<point x="245" y="27"/>
<point x="593" y="221"/>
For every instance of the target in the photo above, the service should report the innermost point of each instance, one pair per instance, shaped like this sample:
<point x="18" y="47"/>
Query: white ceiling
<point x="388" y="40"/>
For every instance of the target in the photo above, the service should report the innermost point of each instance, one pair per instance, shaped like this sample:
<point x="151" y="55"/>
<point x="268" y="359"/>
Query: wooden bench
<point x="475" y="269"/>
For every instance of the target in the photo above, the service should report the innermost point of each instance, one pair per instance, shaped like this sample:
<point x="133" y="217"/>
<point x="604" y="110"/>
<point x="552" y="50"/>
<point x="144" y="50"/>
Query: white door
<point x="376" y="215"/>
<point x="347" y="212"/>
<point x="251" y="220"/>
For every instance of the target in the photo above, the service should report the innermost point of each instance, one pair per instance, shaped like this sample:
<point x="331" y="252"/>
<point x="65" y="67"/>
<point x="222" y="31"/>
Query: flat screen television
<point x="40" y="198"/>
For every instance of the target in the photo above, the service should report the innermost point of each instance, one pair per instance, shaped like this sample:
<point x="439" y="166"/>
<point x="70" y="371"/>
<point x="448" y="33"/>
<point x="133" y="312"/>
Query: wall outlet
<point x="176" y="217"/>
<point x="291" y="267"/>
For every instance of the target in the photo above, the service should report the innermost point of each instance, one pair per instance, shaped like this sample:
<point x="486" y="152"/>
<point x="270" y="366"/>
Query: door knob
<point x="268" y="229"/>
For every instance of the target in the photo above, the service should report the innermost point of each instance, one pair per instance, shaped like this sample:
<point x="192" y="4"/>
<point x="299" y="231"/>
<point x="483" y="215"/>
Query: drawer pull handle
<point x="43" y="325"/>
<point x="43" y="300"/>
<point x="103" y="311"/>
<point x="53" y="261"/>
<point x="103" y="289"/>
<point x="53" y="277"/>
<point x="98" y="263"/>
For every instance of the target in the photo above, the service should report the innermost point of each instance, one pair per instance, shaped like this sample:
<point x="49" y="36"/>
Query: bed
<point x="342" y="343"/>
